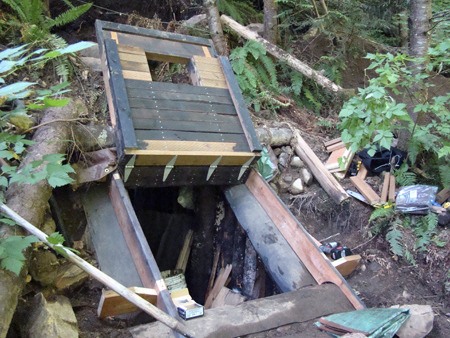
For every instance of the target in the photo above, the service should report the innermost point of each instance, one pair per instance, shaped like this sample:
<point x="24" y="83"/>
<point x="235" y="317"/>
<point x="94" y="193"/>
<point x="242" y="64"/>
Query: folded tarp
<point x="374" y="323"/>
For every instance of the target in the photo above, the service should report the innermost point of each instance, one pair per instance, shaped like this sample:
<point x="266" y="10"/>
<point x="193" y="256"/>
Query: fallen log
<point x="282" y="55"/>
<point x="31" y="200"/>
<point x="323" y="176"/>
<point x="101" y="276"/>
<point x="274" y="137"/>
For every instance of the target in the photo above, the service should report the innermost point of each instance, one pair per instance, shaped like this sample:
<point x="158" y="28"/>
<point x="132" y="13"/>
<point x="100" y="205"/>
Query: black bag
<point x="382" y="159"/>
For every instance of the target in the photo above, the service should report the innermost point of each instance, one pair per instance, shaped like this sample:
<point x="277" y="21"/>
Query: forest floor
<point x="381" y="280"/>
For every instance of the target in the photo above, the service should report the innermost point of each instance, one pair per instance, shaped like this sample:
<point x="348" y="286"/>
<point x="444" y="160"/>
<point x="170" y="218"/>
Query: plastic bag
<point x="415" y="199"/>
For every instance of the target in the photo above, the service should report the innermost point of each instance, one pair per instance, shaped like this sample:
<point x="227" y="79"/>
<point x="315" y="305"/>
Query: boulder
<point x="296" y="187"/>
<point x="283" y="160"/>
<point x="51" y="319"/>
<point x="307" y="176"/>
<point x="70" y="277"/>
<point x="419" y="324"/>
<point x="296" y="162"/>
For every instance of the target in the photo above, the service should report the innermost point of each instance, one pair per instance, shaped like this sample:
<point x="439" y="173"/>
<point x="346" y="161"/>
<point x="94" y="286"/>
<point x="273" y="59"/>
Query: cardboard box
<point x="187" y="308"/>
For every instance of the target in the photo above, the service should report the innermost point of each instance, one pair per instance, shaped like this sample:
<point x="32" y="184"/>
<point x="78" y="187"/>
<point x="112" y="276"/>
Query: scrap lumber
<point x="220" y="282"/>
<point x="102" y="277"/>
<point x="227" y="297"/>
<point x="185" y="251"/>
<point x="335" y="146"/>
<point x="362" y="172"/>
<point x="323" y="176"/>
<point x="391" y="194"/>
<point x="443" y="196"/>
<point x="282" y="55"/>
<point x="385" y="188"/>
<point x="366" y="190"/>
<point x="331" y="142"/>
<point x="113" y="304"/>
<point x="212" y="276"/>
<point x="346" y="265"/>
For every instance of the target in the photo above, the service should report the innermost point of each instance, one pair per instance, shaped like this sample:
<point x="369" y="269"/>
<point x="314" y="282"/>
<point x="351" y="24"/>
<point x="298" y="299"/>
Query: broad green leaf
<point x="76" y="47"/>
<point x="55" y="238"/>
<point x="49" y="102"/>
<point x="3" y="182"/>
<point x="12" y="264"/>
<point x="15" y="88"/>
<point x="8" y="221"/>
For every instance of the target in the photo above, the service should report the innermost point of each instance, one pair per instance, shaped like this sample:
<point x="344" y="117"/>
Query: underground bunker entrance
<point x="169" y="216"/>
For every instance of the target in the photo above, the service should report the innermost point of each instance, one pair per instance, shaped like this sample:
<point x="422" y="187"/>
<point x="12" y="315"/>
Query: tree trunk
<point x="419" y="23"/>
<point x="31" y="201"/>
<point x="215" y="26"/>
<point x="284" y="56"/>
<point x="270" y="21"/>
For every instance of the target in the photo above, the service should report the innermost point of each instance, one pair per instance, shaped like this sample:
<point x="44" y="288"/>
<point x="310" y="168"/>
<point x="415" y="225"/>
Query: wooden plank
<point x="161" y="47"/>
<point x="280" y="261"/>
<point x="212" y="276"/>
<point x="191" y="148"/>
<point x="119" y="95"/>
<point x="174" y="96"/>
<point x="346" y="265"/>
<point x="326" y="180"/>
<point x="442" y="196"/>
<point x="148" y="135"/>
<point x="227" y="297"/>
<point x="213" y="83"/>
<point x="332" y="162"/>
<point x="366" y="190"/>
<point x="136" y="241"/>
<point x="297" y="237"/>
<point x="136" y="75"/>
<point x="113" y="304"/>
<point x="198" y="126"/>
<point x="391" y="194"/>
<point x="185" y="251"/>
<point x="186" y="106"/>
<point x="331" y="142"/>
<point x="107" y="237"/>
<point x="240" y="106"/>
<point x="130" y="50"/>
<point x="136" y="66"/>
<point x="218" y="284"/>
<point x="362" y="172"/>
<point x="134" y="30"/>
<point x="168" y="115"/>
<point x="177" y="88"/>
<point x="335" y="146"/>
<point x="211" y="68"/>
<point x="138" y="58"/>
<point x="385" y="189"/>
<point x="162" y="158"/>
<point x="257" y="315"/>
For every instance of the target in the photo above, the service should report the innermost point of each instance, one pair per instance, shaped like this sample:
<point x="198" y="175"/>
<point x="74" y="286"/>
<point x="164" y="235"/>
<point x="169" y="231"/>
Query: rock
<point x="44" y="267"/>
<point x="296" y="187"/>
<point x="419" y="324"/>
<point x="296" y="162"/>
<point x="195" y="20"/>
<point x="51" y="319"/>
<point x="307" y="176"/>
<point x="277" y="151"/>
<point x="70" y="277"/>
<point x="283" y="159"/>
<point x="288" y="150"/>
<point x="283" y="184"/>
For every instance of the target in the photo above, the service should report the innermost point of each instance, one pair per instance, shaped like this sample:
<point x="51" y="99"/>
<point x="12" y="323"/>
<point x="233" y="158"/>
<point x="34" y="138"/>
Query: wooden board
<point x="197" y="126"/>
<point x="297" y="237"/>
<point x="240" y="105"/>
<point x="391" y="194"/>
<point x="183" y="106"/>
<point x="442" y="196"/>
<point x="168" y="115"/>
<point x="138" y="245"/>
<point x="185" y="251"/>
<point x="346" y="265"/>
<point x="113" y="304"/>
<point x="366" y="190"/>
<point x="185" y="95"/>
<point x="227" y="297"/>
<point x="257" y="315"/>
<point x="180" y="88"/>
<point x="192" y="159"/>
<point x="136" y="75"/>
<point x="107" y="237"/>
<point x="385" y="189"/>
<point x="209" y="74"/>
<point x="220" y="282"/>
<point x="148" y="135"/>
<point x="193" y="147"/>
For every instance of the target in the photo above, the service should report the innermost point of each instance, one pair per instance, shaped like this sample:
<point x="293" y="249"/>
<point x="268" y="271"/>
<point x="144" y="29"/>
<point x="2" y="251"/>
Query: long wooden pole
<point x="323" y="176"/>
<point x="282" y="55"/>
<point x="101" y="276"/>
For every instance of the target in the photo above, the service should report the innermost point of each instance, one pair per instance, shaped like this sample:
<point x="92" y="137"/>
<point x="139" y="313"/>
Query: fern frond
<point x="381" y="213"/>
<point x="70" y="15"/>
<point x="269" y="65"/>
<point x="425" y="231"/>
<point x="403" y="177"/>
<point x="444" y="174"/>
<point x="394" y="236"/>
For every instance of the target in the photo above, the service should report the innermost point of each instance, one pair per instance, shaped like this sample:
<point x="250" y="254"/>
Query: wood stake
<point x="101" y="276"/>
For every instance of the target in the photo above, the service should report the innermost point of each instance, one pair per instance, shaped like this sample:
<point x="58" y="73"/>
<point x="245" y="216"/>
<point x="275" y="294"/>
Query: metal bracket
<point x="128" y="167"/>
<point x="169" y="167"/>
<point x="213" y="167"/>
<point x="245" y="167"/>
